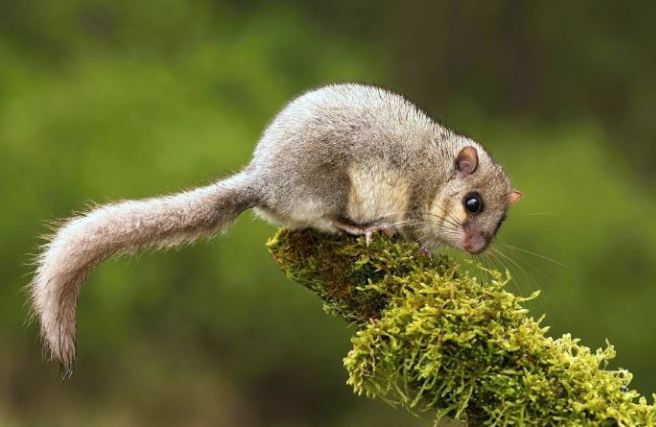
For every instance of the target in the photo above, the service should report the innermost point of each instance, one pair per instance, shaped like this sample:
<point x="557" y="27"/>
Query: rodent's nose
<point x="475" y="243"/>
<point x="475" y="250"/>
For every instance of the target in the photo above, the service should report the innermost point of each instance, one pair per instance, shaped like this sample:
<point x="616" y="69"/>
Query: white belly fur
<point x="377" y="193"/>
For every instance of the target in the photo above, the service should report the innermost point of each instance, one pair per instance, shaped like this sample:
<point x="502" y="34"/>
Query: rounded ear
<point x="514" y="197"/>
<point x="467" y="160"/>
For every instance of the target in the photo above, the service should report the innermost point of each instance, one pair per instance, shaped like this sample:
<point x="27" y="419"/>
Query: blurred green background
<point x="104" y="100"/>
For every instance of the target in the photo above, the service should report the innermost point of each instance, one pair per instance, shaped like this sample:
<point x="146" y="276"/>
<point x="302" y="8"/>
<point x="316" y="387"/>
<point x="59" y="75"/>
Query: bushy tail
<point x="85" y="241"/>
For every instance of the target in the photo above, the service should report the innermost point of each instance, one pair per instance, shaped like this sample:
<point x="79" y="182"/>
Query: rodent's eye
<point x="473" y="203"/>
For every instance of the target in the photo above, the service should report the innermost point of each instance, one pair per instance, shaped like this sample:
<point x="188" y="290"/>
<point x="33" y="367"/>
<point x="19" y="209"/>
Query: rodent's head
<point x="472" y="205"/>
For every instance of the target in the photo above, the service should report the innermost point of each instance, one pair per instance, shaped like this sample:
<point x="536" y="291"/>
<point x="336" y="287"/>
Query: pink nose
<point x="475" y="243"/>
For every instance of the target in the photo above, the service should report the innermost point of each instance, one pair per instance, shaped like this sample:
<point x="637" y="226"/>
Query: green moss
<point x="432" y="337"/>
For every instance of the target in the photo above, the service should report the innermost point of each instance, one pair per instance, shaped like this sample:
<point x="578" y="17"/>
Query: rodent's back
<point x="347" y="113"/>
<point x="342" y="123"/>
<point x="306" y="155"/>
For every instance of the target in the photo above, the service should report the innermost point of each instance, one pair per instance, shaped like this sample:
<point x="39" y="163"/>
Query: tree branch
<point x="431" y="336"/>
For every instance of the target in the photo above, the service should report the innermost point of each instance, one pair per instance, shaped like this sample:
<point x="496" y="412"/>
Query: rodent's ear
<point x="467" y="160"/>
<point x="514" y="197"/>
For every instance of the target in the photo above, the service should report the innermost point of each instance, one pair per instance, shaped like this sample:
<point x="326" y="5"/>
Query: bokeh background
<point x="101" y="100"/>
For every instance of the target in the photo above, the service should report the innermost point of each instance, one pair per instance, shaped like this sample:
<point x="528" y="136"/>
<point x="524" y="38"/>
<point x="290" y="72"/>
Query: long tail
<point x="85" y="241"/>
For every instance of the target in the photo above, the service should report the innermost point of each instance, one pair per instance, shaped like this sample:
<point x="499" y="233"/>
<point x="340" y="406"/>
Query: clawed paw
<point x="369" y="231"/>
<point x="366" y="230"/>
<point x="425" y="251"/>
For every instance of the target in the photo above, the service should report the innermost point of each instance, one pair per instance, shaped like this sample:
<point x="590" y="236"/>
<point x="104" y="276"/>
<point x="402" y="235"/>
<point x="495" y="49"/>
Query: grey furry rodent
<point x="344" y="157"/>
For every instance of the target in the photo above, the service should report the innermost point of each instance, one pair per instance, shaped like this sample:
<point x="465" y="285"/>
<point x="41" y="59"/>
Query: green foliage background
<point x="104" y="100"/>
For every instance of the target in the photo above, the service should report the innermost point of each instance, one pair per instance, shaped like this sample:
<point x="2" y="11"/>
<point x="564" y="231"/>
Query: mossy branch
<point x="431" y="336"/>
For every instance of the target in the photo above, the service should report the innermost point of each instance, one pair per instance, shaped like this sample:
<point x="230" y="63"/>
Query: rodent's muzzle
<point x="475" y="243"/>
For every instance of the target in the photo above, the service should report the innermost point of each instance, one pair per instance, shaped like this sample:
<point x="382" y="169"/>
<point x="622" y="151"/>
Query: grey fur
<point x="340" y="153"/>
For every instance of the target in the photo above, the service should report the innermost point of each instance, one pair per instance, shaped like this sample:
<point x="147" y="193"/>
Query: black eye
<point x="473" y="203"/>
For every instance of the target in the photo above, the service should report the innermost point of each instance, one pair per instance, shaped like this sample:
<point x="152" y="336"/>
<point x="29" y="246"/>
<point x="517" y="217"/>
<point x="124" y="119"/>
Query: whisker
<point x="526" y="283"/>
<point x="491" y="256"/>
<point x="535" y="254"/>
<point x="488" y="261"/>
<point x="447" y="216"/>
<point x="563" y="306"/>
<point x="541" y="213"/>
<point x="509" y="259"/>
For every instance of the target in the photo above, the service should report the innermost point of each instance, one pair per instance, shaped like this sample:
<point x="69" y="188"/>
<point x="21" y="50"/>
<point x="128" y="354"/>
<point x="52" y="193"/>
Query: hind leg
<point x="348" y="226"/>
<point x="293" y="223"/>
